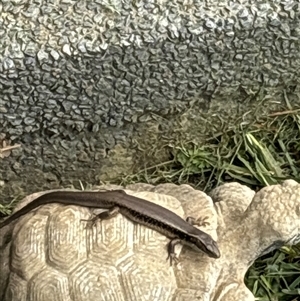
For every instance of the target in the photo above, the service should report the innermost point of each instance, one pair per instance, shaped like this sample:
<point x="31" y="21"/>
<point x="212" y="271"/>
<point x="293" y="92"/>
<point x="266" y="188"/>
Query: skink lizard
<point x="135" y="209"/>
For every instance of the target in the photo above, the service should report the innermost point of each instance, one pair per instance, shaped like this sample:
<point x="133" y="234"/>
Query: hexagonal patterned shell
<point x="52" y="254"/>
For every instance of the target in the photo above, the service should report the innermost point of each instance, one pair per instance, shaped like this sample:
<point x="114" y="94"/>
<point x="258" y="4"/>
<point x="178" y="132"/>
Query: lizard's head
<point x="205" y="244"/>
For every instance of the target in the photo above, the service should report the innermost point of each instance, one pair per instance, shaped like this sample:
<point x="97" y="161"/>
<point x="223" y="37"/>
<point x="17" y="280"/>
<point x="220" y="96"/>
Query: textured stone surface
<point x="50" y="252"/>
<point x="79" y="79"/>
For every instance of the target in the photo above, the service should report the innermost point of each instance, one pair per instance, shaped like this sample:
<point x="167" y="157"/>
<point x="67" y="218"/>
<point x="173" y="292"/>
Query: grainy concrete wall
<point x="82" y="81"/>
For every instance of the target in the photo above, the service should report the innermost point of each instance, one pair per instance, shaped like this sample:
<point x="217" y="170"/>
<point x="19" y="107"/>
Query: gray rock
<point x="147" y="59"/>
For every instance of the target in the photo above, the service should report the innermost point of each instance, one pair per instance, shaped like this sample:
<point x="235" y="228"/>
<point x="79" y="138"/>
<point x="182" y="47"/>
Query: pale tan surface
<point x="54" y="256"/>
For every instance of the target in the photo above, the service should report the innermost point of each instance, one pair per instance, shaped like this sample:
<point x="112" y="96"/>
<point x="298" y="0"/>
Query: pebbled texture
<point x="83" y="82"/>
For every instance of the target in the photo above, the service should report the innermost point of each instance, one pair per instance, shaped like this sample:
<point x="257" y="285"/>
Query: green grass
<point x="7" y="209"/>
<point x="265" y="152"/>
<point x="276" y="276"/>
